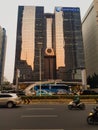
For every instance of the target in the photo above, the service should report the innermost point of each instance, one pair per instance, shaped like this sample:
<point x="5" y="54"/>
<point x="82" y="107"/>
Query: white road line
<point x="37" y="129"/>
<point x="27" y="116"/>
<point x="40" y="108"/>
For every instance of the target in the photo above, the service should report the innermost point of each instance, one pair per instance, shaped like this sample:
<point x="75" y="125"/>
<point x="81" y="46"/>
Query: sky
<point x="8" y="20"/>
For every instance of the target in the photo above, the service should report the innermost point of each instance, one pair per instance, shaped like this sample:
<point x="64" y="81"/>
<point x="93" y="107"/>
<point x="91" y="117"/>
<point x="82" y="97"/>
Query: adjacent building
<point x="2" y="52"/>
<point x="52" y="39"/>
<point x="90" y="38"/>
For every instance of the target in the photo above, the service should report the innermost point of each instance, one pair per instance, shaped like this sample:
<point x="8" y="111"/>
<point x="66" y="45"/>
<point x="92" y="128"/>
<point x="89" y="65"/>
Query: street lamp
<point x="17" y="76"/>
<point x="40" y="77"/>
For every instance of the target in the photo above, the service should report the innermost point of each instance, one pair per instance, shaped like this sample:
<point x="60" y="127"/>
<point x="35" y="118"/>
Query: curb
<point x="57" y="101"/>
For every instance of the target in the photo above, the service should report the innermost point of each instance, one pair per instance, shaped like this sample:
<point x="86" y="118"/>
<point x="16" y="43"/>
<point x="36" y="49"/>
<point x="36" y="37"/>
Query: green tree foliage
<point x="93" y="80"/>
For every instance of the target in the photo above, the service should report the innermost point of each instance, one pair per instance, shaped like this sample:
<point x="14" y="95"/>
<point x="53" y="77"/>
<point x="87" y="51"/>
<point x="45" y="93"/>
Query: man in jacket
<point x="76" y="99"/>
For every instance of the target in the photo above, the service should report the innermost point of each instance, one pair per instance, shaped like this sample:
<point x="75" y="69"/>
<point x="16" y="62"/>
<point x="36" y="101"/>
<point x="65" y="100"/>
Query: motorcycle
<point x="92" y="118"/>
<point x="72" y="105"/>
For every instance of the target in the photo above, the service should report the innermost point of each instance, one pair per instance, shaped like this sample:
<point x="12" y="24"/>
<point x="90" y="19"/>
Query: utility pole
<point x="40" y="70"/>
<point x="17" y="76"/>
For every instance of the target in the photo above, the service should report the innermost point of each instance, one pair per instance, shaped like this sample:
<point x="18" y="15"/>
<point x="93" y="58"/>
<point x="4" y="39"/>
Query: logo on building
<point x="49" y="51"/>
<point x="67" y="9"/>
<point x="58" y="9"/>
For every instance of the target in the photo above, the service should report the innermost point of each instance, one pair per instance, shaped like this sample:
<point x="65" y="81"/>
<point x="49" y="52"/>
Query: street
<point x="45" y="117"/>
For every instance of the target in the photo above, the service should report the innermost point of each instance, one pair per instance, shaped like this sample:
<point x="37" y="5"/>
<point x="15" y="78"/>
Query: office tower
<point x="30" y="31"/>
<point x="69" y="42"/>
<point x="51" y="42"/>
<point x="2" y="52"/>
<point x="59" y="44"/>
<point x="90" y="38"/>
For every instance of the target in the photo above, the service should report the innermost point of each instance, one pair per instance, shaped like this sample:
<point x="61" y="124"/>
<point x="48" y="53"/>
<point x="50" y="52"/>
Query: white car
<point x="9" y="99"/>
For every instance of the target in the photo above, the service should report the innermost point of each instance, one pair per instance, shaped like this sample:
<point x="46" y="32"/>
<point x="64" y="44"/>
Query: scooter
<point x="92" y="118"/>
<point x="72" y="105"/>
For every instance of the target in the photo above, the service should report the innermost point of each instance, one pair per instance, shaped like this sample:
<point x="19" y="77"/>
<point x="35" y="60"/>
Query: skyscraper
<point x="30" y="31"/>
<point x="69" y="42"/>
<point x="90" y="38"/>
<point x="62" y="46"/>
<point x="2" y="52"/>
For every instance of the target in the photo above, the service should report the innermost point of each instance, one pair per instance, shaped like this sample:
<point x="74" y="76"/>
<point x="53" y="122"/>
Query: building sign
<point x="65" y="9"/>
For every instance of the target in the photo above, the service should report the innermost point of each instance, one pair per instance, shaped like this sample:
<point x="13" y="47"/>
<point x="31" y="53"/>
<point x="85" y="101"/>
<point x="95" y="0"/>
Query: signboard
<point x="67" y="9"/>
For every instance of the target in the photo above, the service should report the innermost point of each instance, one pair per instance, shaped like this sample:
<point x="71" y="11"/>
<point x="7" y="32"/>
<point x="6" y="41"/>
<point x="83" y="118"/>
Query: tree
<point x="93" y="80"/>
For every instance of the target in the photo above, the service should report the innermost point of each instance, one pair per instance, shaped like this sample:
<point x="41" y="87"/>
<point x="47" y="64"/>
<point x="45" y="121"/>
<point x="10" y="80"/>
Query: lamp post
<point x="17" y="76"/>
<point x="40" y="74"/>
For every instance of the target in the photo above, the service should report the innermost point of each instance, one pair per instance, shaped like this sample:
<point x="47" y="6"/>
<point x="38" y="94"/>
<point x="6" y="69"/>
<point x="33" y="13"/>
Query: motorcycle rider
<point x="93" y="116"/>
<point x="76" y="99"/>
<point x="96" y="110"/>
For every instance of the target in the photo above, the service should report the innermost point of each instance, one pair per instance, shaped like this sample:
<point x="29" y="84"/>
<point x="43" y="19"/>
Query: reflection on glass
<point x="28" y="35"/>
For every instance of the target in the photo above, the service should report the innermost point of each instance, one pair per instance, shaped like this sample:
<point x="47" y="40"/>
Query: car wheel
<point x="10" y="104"/>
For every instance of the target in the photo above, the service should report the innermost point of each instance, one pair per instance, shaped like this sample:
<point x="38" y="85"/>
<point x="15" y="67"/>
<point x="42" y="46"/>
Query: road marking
<point x="24" y="116"/>
<point x="40" y="108"/>
<point x="37" y="129"/>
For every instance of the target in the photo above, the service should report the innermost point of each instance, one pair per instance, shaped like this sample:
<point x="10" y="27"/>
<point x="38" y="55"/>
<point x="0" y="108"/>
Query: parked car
<point x="9" y="99"/>
<point x="89" y="92"/>
<point x="43" y="93"/>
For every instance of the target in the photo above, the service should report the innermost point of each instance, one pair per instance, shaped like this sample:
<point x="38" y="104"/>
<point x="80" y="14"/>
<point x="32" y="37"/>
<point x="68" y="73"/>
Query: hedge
<point x="60" y="97"/>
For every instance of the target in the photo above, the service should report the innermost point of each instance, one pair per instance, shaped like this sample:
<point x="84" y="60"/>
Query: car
<point x="9" y="99"/>
<point x="43" y="93"/>
<point x="18" y="92"/>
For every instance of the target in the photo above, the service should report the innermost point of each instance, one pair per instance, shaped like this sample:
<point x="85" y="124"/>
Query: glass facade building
<point x="69" y="42"/>
<point x="30" y="31"/>
<point x="2" y="52"/>
<point x="62" y="55"/>
<point x="73" y="42"/>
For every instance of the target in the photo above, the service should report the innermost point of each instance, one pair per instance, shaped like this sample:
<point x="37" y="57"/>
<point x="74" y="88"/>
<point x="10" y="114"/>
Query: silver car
<point x="9" y="99"/>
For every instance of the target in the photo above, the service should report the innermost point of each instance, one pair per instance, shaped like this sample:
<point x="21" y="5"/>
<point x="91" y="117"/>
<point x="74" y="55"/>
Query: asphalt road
<point x="45" y="117"/>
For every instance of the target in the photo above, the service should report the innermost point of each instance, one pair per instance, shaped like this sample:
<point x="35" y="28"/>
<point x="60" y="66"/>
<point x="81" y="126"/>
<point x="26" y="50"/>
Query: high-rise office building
<point x="60" y="37"/>
<point x="69" y="42"/>
<point x="30" y="31"/>
<point x="2" y="52"/>
<point x="90" y="38"/>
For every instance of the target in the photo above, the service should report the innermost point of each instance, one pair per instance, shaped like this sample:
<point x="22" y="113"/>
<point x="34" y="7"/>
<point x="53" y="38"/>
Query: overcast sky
<point x="8" y="20"/>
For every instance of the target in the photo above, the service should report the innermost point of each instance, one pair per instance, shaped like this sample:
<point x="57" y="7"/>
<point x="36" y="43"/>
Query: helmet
<point x="96" y="108"/>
